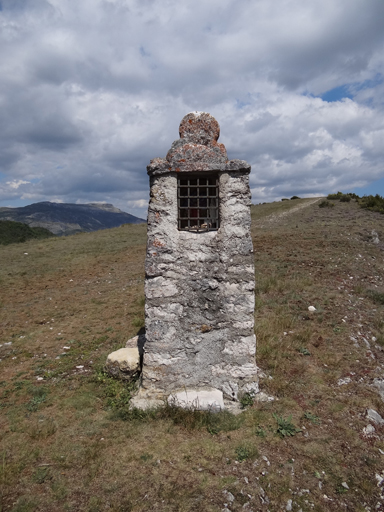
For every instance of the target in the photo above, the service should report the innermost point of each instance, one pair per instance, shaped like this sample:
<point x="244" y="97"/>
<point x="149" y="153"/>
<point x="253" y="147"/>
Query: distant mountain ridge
<point x="68" y="218"/>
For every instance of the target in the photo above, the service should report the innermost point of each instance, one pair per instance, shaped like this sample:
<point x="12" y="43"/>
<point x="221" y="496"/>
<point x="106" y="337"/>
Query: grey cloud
<point x="91" y="91"/>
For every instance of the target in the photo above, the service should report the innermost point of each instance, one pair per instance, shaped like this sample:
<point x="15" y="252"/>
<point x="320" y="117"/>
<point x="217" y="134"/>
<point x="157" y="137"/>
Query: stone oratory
<point x="199" y="287"/>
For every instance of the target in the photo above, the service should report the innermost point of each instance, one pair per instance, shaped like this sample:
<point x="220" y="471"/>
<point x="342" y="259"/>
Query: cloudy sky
<point x="91" y="90"/>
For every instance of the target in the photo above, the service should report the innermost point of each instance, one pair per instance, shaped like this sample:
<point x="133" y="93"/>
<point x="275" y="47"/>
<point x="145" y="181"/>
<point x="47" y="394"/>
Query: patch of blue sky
<point x="337" y="94"/>
<point x="16" y="203"/>
<point x="376" y="187"/>
<point x="350" y="90"/>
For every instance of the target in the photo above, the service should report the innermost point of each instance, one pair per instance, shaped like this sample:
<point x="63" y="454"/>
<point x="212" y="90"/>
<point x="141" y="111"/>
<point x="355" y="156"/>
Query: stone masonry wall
<point x="199" y="288"/>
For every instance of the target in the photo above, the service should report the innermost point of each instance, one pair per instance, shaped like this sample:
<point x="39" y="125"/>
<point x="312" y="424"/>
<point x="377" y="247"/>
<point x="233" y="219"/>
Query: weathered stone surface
<point x="199" y="127"/>
<point x="208" y="399"/>
<point x="137" y="342"/>
<point x="199" y="286"/>
<point x="374" y="416"/>
<point x="379" y="384"/>
<point x="124" y="363"/>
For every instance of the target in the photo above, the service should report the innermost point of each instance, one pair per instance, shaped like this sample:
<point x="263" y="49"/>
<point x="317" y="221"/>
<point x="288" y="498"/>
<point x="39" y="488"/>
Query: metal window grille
<point x="198" y="203"/>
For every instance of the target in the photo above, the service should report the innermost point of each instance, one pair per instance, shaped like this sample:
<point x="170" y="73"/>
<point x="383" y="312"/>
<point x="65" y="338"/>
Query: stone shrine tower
<point x="199" y="288"/>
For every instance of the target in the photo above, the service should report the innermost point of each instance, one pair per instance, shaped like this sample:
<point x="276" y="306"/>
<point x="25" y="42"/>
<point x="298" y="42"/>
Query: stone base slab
<point x="198" y="399"/>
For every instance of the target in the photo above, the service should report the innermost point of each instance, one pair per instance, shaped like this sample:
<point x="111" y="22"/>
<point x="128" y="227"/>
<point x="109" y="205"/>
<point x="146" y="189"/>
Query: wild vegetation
<point x="13" y="232"/>
<point x="69" y="440"/>
<point x="372" y="203"/>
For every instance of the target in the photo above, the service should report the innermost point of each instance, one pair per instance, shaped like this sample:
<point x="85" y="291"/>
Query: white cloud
<point x="15" y="184"/>
<point x="90" y="91"/>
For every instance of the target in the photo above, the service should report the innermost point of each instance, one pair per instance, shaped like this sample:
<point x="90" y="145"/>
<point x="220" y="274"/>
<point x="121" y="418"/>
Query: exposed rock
<point x="343" y="382"/>
<point x="124" y="363"/>
<point x="379" y="384"/>
<point x="229" y="496"/>
<point x="137" y="342"/>
<point x="263" y="397"/>
<point x="208" y="399"/>
<point x="375" y="237"/>
<point x="374" y="416"/>
<point x="369" y="431"/>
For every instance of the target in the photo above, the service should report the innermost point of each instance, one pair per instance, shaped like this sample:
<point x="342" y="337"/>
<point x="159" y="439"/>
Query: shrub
<point x="335" y="196"/>
<point x="373" y="203"/>
<point x="343" y="197"/>
<point x="285" y="199"/>
<point x="295" y="197"/>
<point x="285" y="427"/>
<point x="16" y="232"/>
<point x="245" y="451"/>
<point x="326" y="204"/>
<point x="247" y="400"/>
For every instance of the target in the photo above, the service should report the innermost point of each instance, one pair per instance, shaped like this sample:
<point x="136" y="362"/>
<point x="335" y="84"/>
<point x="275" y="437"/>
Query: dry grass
<point x="69" y="442"/>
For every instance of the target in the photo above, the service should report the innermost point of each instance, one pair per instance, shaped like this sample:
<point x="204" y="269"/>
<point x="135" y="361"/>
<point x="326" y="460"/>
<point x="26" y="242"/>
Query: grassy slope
<point x="63" y="446"/>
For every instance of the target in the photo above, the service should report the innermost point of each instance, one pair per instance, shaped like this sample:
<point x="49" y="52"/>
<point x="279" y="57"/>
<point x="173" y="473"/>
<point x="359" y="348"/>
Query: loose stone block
<point x="124" y="363"/>
<point x="200" y="282"/>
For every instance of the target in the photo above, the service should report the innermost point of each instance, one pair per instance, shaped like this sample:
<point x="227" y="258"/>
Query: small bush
<point x="245" y="451"/>
<point x="335" y="196"/>
<point x="16" y="232"/>
<point x="285" y="199"/>
<point x="247" y="400"/>
<point x="295" y="197"/>
<point x="373" y="203"/>
<point x="260" y="432"/>
<point x="285" y="427"/>
<point x="326" y="204"/>
<point x="344" y="198"/>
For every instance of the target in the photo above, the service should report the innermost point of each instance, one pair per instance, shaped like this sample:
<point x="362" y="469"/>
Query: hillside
<point x="67" y="218"/>
<point x="69" y="440"/>
<point x="15" y="232"/>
